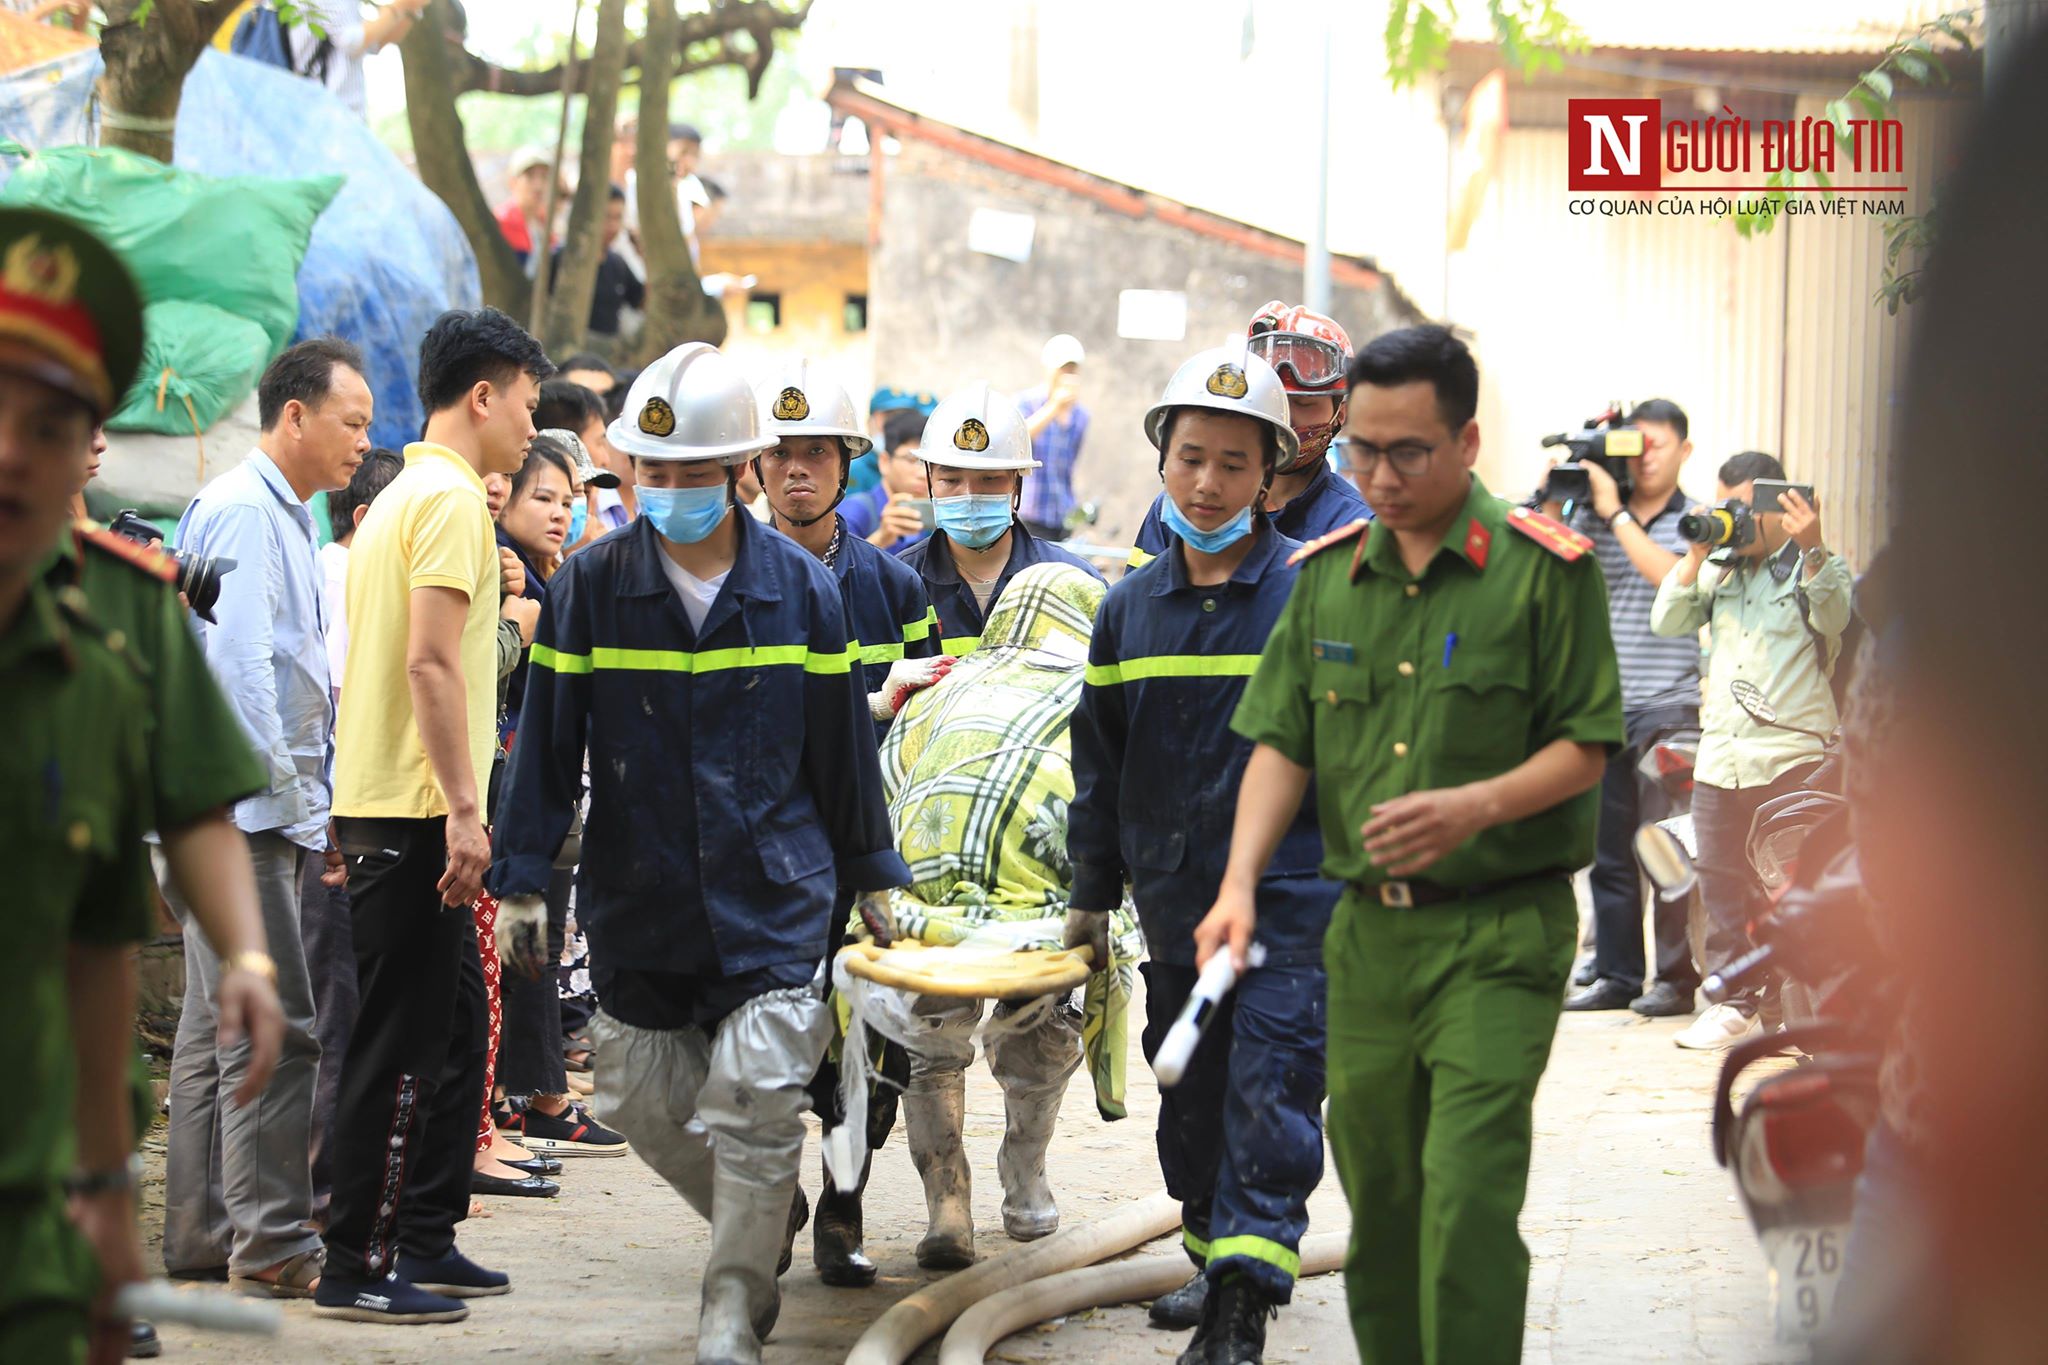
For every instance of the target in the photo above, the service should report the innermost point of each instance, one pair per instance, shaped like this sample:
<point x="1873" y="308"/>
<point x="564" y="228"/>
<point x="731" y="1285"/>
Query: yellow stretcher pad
<point x="968" y="973"/>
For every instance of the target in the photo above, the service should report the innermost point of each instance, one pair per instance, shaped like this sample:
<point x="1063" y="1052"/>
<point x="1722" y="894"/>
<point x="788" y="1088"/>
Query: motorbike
<point x="1795" y="1143"/>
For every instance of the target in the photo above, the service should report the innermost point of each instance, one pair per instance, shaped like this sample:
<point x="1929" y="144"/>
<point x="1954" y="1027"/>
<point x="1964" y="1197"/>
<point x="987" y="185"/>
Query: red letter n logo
<point x="1615" y="145"/>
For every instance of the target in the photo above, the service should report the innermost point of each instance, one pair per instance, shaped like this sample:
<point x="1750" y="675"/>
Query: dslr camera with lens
<point x="198" y="577"/>
<point x="1730" y="524"/>
<point x="1606" y="441"/>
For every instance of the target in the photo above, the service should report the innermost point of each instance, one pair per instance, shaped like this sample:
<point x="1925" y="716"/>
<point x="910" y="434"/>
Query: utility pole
<point x="1315" y="264"/>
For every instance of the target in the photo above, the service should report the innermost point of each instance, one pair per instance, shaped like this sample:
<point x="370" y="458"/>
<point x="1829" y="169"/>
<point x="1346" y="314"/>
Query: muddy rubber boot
<point x="836" y="1234"/>
<point x="799" y="1214"/>
<point x="935" y="1112"/>
<point x="1029" y="1212"/>
<point x="741" y="1300"/>
<point x="1182" y="1308"/>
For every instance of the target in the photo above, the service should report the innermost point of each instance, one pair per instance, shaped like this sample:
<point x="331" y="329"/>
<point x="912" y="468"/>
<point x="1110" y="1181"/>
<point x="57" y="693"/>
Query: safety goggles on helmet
<point x="1309" y="362"/>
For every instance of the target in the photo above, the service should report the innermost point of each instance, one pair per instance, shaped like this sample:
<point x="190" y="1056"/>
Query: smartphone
<point x="1768" y="493"/>
<point x="927" y="515"/>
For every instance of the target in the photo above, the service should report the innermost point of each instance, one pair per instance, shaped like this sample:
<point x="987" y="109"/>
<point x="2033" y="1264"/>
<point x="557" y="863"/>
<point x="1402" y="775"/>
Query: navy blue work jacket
<point x="1326" y="504"/>
<point x="892" y="617"/>
<point x="1157" y="766"/>
<point x="731" y="768"/>
<point x="960" y="616"/>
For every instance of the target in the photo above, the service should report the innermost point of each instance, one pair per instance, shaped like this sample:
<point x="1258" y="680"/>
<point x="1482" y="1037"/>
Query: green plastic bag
<point x="198" y="362"/>
<point x="234" y="243"/>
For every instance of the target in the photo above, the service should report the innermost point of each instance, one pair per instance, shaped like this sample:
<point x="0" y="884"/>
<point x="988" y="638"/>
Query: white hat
<point x="529" y="156"/>
<point x="692" y="404"/>
<point x="974" y="428"/>
<point x="798" y="398"/>
<point x="1227" y="378"/>
<point x="1061" y="350"/>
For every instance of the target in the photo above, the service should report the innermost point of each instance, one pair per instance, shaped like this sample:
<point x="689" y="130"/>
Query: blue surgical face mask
<point x="1208" y="542"/>
<point x="579" y="517"/>
<point x="976" y="520"/>
<point x="684" y="515"/>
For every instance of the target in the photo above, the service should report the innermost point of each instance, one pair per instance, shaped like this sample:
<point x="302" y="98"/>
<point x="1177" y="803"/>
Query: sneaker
<point x="1721" y="1026"/>
<point x="389" y="1300"/>
<point x="570" y="1133"/>
<point x="454" y="1275"/>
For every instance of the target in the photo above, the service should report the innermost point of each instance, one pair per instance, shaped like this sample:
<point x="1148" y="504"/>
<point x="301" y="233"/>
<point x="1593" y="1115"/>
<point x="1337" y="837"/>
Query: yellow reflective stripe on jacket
<point x="914" y="631"/>
<point x="960" y="646"/>
<point x="881" y="654"/>
<point x="1173" y="666"/>
<point x="1139" y="558"/>
<point x="698" y="661"/>
<point x="1194" y="1244"/>
<point x="1257" y="1249"/>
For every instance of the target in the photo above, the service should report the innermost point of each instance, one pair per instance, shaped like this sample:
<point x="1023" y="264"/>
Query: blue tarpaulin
<point x="386" y="258"/>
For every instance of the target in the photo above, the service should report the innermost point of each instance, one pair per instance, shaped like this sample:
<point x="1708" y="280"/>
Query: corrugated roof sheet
<point x="25" y="43"/>
<point x="1807" y="26"/>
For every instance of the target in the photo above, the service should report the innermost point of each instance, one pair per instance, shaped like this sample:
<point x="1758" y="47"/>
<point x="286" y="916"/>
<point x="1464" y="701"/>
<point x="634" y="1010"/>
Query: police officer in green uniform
<point x="1448" y="676"/>
<point x="73" y="809"/>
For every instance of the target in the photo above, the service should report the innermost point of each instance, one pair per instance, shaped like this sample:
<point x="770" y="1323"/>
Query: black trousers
<point x="331" y="962"/>
<point x="530" y="1039"/>
<point x="413" y="1081"/>
<point x="1733" y="896"/>
<point x="1627" y="801"/>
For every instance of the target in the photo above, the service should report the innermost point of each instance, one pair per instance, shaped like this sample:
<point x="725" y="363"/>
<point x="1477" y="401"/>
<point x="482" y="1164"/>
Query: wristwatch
<point x="1619" y="517"/>
<point x="251" y="961"/>
<point x="85" y="1184"/>
<point x="1816" y="558"/>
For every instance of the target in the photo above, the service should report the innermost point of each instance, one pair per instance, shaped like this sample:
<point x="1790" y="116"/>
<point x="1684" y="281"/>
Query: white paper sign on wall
<point x="993" y="232"/>
<point x="1152" y="314"/>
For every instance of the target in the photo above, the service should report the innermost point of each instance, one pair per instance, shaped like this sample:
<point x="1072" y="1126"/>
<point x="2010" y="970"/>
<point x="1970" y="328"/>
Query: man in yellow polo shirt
<point x="413" y="751"/>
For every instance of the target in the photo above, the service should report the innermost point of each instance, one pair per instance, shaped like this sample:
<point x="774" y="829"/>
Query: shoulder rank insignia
<point x="1324" y="542"/>
<point x="150" y="559"/>
<point x="1553" y="535"/>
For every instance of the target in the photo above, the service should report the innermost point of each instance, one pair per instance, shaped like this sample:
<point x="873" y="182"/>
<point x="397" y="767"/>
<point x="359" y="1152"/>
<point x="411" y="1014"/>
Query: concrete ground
<point x="1640" y="1251"/>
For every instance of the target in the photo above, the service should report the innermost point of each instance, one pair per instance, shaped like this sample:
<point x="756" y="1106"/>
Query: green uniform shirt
<point x="74" y="805"/>
<point x="1387" y="683"/>
<point x="199" y="755"/>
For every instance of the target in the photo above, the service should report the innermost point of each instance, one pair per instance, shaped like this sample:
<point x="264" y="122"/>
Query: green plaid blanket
<point x="979" y="776"/>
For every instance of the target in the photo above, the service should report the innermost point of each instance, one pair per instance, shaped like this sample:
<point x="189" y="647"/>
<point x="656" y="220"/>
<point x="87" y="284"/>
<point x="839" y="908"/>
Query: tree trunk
<point x="568" y="313"/>
<point x="146" y="65"/>
<point x="678" y="309"/>
<point x="441" y="150"/>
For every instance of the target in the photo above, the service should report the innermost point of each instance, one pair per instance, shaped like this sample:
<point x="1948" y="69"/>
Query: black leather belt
<point x="1415" y="895"/>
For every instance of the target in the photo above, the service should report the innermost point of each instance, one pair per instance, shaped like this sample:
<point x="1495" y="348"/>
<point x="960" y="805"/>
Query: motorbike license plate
<point x="1806" y="1267"/>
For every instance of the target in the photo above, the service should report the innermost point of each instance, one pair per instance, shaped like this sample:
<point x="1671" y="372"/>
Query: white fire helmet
<point x="976" y="428"/>
<point x="1227" y="378"/>
<point x="798" y="398"/>
<point x="692" y="404"/>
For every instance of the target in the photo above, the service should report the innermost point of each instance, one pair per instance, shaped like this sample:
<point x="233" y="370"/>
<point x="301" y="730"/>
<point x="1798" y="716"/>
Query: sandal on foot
<point x="295" y="1278"/>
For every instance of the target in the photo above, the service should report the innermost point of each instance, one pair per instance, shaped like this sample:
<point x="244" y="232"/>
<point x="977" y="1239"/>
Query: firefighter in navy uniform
<point x="818" y="436"/>
<point x="1311" y="354"/>
<point x="976" y="454"/>
<point x="1156" y="771"/>
<point x="707" y="665"/>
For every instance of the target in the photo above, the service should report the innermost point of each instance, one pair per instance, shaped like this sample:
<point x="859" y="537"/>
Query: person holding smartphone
<point x="1775" y="602"/>
<point x="897" y="512"/>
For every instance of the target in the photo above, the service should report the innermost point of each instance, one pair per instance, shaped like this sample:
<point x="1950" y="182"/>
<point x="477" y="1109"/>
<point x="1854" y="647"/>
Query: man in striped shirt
<point x="1637" y="542"/>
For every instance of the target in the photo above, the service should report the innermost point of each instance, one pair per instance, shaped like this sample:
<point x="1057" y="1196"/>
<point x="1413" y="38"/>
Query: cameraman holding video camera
<point x="1634" y="530"/>
<point x="1775" y="601"/>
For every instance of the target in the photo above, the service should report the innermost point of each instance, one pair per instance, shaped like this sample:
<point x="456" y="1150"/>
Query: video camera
<point x="198" y="577"/>
<point x="1732" y="523"/>
<point x="1605" y="441"/>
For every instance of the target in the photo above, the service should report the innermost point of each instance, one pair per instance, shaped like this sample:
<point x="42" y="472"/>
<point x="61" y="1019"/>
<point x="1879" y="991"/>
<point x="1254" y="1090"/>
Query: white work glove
<point x="522" y="936"/>
<point x="907" y="676"/>
<point x="1089" y="929"/>
<point x="877" y="918"/>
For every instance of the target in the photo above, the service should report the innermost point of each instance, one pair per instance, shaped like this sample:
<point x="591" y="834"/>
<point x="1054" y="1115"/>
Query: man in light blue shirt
<point x="238" y="1179"/>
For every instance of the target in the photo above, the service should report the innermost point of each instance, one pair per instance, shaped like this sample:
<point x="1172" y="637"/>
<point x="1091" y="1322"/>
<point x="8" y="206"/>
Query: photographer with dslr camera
<point x="1776" y="602"/>
<point x="1633" y="524"/>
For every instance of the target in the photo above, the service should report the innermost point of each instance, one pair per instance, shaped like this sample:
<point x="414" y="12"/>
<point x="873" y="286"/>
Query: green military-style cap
<point x="70" y="314"/>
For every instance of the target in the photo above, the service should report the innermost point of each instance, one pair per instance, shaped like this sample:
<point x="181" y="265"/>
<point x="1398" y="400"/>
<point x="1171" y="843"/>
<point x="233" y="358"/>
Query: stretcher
<point x="968" y="972"/>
